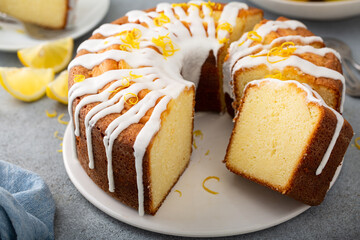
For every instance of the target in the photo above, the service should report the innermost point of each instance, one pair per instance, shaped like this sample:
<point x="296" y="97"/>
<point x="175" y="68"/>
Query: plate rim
<point x="68" y="149"/>
<point x="347" y="10"/>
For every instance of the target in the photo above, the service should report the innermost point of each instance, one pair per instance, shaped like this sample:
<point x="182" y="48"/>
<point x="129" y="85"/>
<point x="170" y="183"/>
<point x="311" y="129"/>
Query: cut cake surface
<point x="281" y="135"/>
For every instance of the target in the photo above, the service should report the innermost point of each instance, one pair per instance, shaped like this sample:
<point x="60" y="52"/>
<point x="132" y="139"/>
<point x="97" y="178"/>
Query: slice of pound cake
<point x="54" y="14"/>
<point x="286" y="138"/>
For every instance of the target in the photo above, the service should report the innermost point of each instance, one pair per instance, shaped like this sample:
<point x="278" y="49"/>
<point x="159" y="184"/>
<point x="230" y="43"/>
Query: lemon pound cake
<point x="286" y="138"/>
<point x="54" y="14"/>
<point x="132" y="90"/>
<point x="287" y="49"/>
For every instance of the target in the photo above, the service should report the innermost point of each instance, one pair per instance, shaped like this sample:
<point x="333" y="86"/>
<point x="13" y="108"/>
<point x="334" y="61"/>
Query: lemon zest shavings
<point x="198" y="133"/>
<point x="194" y="144"/>
<point x="166" y="45"/>
<point x="118" y="89"/>
<point x="60" y="119"/>
<point x="125" y="82"/>
<point x="125" y="47"/>
<point x="226" y="27"/>
<point x="59" y="150"/>
<point x="56" y="135"/>
<point x="161" y="20"/>
<point x="79" y="78"/>
<point x="207" y="152"/>
<point x="51" y="115"/>
<point x="129" y="98"/>
<point x="207" y="189"/>
<point x="20" y="31"/>
<point x="223" y="41"/>
<point x="252" y="35"/>
<point x="284" y="51"/>
<point x="210" y="5"/>
<point x="134" y="76"/>
<point x="174" y="5"/>
<point x="357" y="142"/>
<point x="260" y="55"/>
<point x="277" y="75"/>
<point x="130" y="39"/>
<point x="194" y="5"/>
<point x="179" y="192"/>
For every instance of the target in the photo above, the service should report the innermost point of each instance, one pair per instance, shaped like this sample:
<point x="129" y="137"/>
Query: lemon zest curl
<point x="161" y="20"/>
<point x="129" y="98"/>
<point x="357" y="144"/>
<point x="207" y="189"/>
<point x="51" y="115"/>
<point x="79" y="78"/>
<point x="60" y="119"/>
<point x="166" y="45"/>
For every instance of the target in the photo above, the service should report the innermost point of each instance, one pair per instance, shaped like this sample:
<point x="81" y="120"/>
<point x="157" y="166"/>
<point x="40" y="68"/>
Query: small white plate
<point x="312" y="10"/>
<point x="88" y="14"/>
<point x="240" y="207"/>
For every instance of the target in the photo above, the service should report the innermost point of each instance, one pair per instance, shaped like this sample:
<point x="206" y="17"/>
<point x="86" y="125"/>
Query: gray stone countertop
<point x="27" y="140"/>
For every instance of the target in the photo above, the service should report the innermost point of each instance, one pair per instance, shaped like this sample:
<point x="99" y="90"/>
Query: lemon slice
<point x="26" y="84"/>
<point x="58" y="89"/>
<point x="55" y="55"/>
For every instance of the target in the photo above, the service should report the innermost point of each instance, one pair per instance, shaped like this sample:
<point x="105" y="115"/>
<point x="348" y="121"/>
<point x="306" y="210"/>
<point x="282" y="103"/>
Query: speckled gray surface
<point x="27" y="140"/>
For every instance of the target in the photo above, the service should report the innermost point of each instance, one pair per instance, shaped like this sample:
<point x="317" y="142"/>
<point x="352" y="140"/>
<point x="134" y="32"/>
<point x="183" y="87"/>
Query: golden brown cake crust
<point x="123" y="162"/>
<point x="305" y="185"/>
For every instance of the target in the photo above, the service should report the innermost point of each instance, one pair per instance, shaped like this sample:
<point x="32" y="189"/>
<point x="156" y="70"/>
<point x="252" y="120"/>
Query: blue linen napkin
<point x="26" y="205"/>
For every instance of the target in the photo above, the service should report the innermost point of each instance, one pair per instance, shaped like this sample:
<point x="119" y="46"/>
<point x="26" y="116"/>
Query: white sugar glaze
<point x="167" y="82"/>
<point x="311" y="96"/>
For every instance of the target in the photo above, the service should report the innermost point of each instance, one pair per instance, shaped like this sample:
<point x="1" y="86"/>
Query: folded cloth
<point x="26" y="205"/>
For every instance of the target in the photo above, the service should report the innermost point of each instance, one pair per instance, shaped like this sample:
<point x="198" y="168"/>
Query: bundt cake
<point x="286" y="137"/>
<point x="54" y="14"/>
<point x="133" y="87"/>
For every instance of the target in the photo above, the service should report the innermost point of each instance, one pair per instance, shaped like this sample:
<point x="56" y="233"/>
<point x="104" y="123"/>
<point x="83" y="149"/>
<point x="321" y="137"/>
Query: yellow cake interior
<point x="50" y="14"/>
<point x="289" y="73"/>
<point x="171" y="149"/>
<point x="273" y="129"/>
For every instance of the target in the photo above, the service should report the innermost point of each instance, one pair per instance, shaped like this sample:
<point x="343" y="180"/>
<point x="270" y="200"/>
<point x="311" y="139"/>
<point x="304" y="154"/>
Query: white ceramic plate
<point x="312" y="10"/>
<point x="88" y="14"/>
<point x="240" y="207"/>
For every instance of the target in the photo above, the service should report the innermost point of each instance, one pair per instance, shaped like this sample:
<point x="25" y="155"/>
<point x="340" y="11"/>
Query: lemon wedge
<point x="55" y="55"/>
<point x="26" y="84"/>
<point x="58" y="89"/>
